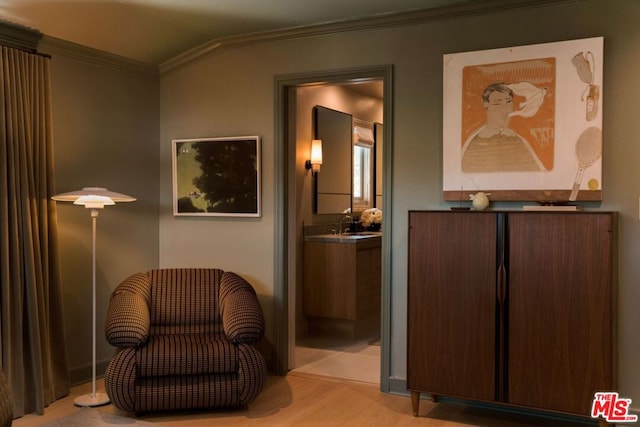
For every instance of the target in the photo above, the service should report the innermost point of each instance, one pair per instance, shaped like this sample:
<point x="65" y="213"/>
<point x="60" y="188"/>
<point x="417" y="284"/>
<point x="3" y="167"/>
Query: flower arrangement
<point x="370" y="217"/>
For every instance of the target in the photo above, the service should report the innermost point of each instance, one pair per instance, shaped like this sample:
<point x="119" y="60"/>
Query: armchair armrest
<point x="128" y="318"/>
<point x="240" y="310"/>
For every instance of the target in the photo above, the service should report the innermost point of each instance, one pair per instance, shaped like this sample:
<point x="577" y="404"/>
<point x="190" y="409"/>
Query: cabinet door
<point x="452" y="304"/>
<point x="329" y="288"/>
<point x="560" y="309"/>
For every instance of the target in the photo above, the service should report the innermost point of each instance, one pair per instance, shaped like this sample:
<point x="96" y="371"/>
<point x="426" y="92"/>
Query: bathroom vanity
<point x="341" y="287"/>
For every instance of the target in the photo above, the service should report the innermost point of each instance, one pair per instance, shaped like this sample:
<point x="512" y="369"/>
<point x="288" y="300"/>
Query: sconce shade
<point x="316" y="152"/>
<point x="93" y="197"/>
<point x="316" y="156"/>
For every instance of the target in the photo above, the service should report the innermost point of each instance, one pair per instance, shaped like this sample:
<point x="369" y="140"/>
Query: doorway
<point x="289" y="174"/>
<point x="337" y="295"/>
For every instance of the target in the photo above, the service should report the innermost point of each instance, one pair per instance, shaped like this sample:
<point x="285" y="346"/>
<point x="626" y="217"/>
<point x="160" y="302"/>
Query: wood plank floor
<point x="305" y="400"/>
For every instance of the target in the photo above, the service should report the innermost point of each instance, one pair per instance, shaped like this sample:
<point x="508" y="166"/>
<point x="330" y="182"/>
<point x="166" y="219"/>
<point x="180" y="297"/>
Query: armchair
<point x="184" y="340"/>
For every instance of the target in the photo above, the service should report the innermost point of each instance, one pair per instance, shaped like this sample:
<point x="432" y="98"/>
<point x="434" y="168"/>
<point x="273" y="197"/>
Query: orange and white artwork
<point x="524" y="123"/>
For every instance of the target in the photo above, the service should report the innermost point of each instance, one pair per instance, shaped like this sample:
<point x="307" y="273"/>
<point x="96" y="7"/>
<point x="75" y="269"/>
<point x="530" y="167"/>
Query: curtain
<point x="31" y="314"/>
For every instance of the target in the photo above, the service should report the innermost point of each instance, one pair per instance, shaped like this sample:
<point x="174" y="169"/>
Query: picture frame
<point x="217" y="176"/>
<point x="524" y="123"/>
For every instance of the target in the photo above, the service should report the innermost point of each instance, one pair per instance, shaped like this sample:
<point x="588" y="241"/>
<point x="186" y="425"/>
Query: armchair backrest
<point x="185" y="300"/>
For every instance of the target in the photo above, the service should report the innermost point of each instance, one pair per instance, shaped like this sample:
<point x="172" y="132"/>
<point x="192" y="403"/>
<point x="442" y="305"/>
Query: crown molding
<point x="54" y="46"/>
<point x="18" y="36"/>
<point x="469" y="7"/>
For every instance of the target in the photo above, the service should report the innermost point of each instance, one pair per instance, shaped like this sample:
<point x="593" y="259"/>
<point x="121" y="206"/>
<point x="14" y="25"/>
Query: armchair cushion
<point x="185" y="301"/>
<point x="191" y="354"/>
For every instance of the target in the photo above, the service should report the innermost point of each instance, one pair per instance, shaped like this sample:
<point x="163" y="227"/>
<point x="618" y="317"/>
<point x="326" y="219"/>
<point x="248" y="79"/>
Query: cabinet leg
<point x="415" y="402"/>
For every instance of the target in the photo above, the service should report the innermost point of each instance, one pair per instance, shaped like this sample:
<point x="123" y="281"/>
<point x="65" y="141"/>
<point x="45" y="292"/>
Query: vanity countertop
<point x="344" y="238"/>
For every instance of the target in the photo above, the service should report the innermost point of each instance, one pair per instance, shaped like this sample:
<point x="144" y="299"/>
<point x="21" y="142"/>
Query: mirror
<point x="333" y="182"/>
<point x="350" y="176"/>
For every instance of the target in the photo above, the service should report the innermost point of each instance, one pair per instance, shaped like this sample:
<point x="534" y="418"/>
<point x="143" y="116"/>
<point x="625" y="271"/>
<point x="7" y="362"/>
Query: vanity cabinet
<point x="341" y="288"/>
<point x="511" y="307"/>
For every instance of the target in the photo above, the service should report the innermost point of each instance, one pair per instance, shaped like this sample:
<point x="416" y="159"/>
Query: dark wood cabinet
<point x="511" y="307"/>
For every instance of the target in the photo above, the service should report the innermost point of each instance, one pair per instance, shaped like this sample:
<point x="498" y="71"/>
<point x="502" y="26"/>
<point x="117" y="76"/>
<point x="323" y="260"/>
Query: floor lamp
<point x="93" y="198"/>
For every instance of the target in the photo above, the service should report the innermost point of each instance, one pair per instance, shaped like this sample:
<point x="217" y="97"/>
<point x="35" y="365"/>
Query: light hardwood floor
<point x="306" y="400"/>
<point x="349" y="360"/>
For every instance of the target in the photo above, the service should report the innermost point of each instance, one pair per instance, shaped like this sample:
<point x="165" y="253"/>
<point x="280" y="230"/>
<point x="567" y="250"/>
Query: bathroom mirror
<point x="333" y="182"/>
<point x="350" y="176"/>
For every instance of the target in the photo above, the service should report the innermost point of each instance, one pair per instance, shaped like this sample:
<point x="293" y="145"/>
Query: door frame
<point x="285" y="207"/>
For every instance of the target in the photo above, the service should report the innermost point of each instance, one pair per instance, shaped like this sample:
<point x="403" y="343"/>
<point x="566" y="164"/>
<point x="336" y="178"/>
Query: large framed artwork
<point x="524" y="123"/>
<point x="216" y="176"/>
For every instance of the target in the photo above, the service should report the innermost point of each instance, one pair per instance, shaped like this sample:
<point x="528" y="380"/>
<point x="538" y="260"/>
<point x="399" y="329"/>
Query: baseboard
<point x="398" y="386"/>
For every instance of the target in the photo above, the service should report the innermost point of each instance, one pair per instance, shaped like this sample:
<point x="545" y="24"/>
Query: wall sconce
<point x="316" y="157"/>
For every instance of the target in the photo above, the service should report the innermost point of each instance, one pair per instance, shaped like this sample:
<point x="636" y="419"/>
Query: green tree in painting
<point x="229" y="175"/>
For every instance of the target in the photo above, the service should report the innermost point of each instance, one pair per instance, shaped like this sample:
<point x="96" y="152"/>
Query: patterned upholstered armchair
<point x="184" y="339"/>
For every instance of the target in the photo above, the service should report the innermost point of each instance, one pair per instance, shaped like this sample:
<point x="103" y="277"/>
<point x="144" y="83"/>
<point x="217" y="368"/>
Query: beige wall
<point x="231" y="92"/>
<point x="106" y="132"/>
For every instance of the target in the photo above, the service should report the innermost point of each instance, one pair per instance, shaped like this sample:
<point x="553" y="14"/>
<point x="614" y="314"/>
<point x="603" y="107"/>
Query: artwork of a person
<point x="496" y="148"/>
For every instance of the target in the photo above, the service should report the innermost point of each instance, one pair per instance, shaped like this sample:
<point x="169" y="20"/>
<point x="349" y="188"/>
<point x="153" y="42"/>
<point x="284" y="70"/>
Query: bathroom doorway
<point x="338" y="295"/>
<point x="324" y="354"/>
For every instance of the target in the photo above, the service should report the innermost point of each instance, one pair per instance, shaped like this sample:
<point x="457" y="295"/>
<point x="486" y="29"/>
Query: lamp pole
<point x="93" y="399"/>
<point x="94" y="220"/>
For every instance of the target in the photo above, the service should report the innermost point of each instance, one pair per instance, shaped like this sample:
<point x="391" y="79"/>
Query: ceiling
<point x="153" y="31"/>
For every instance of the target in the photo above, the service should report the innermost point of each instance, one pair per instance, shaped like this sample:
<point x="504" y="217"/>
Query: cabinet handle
<point x="502" y="274"/>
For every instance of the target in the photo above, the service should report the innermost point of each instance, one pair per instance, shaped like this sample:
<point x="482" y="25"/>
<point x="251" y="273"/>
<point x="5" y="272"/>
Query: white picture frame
<point x="217" y="176"/>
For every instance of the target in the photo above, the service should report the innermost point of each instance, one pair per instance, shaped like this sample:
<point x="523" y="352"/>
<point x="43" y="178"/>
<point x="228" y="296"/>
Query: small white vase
<point x="479" y="201"/>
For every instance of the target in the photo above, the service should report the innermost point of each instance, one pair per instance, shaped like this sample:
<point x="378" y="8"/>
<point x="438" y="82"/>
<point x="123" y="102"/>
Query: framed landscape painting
<point x="524" y="123"/>
<point x="216" y="176"/>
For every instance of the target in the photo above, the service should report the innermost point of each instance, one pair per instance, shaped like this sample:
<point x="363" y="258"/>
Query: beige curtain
<point x="31" y="317"/>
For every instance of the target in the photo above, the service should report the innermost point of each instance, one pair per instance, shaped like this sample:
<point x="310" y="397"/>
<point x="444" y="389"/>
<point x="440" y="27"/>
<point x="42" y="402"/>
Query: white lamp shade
<point x="94" y="202"/>
<point x="316" y="152"/>
<point x="93" y="197"/>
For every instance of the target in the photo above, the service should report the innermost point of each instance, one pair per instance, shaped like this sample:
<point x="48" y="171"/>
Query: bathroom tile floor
<point x="347" y="360"/>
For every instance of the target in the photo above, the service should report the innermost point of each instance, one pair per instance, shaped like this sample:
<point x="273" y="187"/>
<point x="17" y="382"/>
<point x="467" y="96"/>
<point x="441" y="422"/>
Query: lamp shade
<point x="316" y="152"/>
<point x="93" y="197"/>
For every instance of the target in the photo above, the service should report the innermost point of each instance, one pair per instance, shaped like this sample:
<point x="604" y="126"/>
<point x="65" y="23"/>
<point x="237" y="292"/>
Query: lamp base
<point x="90" y="400"/>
